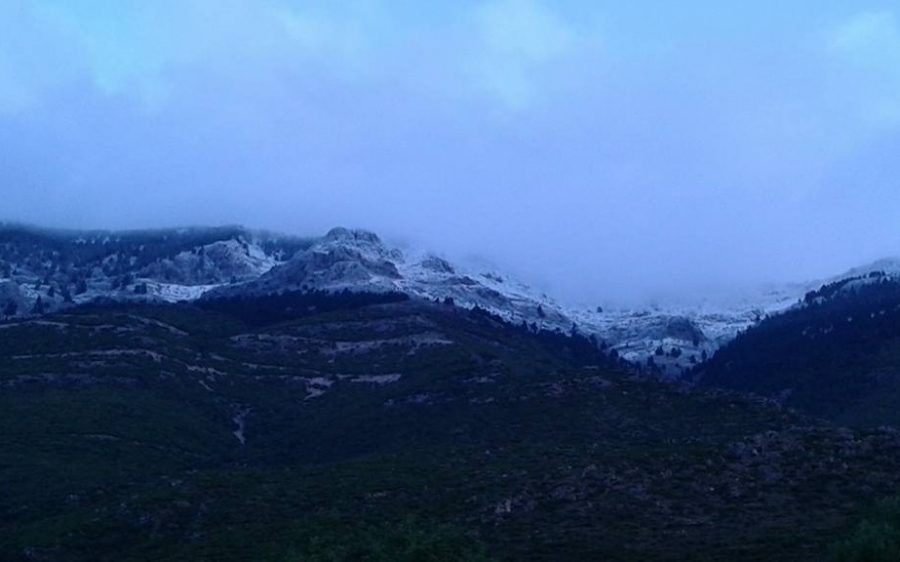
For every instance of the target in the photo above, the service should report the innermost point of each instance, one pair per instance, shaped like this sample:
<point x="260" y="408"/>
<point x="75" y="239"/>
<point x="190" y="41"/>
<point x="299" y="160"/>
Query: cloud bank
<point x="598" y="150"/>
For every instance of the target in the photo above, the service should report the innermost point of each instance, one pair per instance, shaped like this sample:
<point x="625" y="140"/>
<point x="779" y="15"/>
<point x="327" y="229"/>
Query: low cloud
<point x="595" y="160"/>
<point x="870" y="43"/>
<point x="516" y="39"/>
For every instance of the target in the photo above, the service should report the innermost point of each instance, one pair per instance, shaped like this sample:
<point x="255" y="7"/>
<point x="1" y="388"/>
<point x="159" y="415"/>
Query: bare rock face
<point x="230" y="260"/>
<point x="342" y="259"/>
<point x="347" y="236"/>
<point x="438" y="265"/>
<point x="685" y="330"/>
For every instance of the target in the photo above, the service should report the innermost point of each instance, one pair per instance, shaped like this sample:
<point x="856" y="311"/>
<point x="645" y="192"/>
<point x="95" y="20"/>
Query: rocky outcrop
<point x="47" y="270"/>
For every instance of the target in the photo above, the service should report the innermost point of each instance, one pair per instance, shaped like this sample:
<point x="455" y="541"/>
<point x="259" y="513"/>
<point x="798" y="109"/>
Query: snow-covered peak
<point x="344" y="244"/>
<point x="342" y="259"/>
<point x="342" y="235"/>
<point x="359" y="261"/>
<point x="433" y="277"/>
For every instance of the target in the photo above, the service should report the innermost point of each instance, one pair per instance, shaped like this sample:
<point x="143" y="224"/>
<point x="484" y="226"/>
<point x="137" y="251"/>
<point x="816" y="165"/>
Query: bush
<point x="876" y="539"/>
<point x="407" y="541"/>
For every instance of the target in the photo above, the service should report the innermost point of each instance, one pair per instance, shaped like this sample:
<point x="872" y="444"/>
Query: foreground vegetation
<point x="837" y="356"/>
<point x="395" y="430"/>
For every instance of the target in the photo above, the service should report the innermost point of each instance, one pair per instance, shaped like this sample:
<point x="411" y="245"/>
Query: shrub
<point x="407" y="541"/>
<point x="876" y="539"/>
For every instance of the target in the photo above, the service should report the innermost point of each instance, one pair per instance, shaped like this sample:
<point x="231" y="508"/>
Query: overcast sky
<point x="596" y="148"/>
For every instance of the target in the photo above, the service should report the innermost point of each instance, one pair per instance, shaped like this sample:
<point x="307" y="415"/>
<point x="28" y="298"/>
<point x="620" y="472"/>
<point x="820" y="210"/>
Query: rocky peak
<point x="342" y="259"/>
<point x="344" y="244"/>
<point x="347" y="235"/>
<point x="437" y="265"/>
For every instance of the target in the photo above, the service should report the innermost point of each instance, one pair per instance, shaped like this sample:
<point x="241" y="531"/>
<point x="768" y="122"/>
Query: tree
<point x="405" y="541"/>
<point x="876" y="539"/>
<point x="10" y="309"/>
<point x="38" y="307"/>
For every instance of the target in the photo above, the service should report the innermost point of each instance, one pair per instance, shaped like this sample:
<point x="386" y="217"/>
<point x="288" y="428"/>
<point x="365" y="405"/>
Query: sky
<point x="597" y="149"/>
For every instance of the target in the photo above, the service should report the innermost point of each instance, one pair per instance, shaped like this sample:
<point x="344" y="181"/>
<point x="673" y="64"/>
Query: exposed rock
<point x="438" y="265"/>
<point x="684" y="329"/>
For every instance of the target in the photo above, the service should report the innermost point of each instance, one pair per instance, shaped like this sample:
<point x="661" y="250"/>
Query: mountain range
<point x="226" y="394"/>
<point x="49" y="270"/>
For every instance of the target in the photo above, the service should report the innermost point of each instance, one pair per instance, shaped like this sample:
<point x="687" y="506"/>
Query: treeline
<point x="572" y="345"/>
<point x="271" y="309"/>
<point x="830" y="351"/>
<point x="834" y="289"/>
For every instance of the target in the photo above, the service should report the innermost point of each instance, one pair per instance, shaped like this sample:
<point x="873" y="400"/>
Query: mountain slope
<point x="836" y="356"/>
<point x="44" y="271"/>
<point x="171" y="431"/>
<point x="63" y="268"/>
<point x="359" y="261"/>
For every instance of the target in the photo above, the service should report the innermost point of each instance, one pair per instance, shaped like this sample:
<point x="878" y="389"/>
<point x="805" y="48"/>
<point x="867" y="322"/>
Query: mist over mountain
<point x="501" y="281"/>
<point x="49" y="270"/>
<point x="266" y="396"/>
<point x="335" y="395"/>
<point x="655" y="147"/>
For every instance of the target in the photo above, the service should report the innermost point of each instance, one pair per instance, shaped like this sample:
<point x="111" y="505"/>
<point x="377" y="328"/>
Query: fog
<point x="599" y="150"/>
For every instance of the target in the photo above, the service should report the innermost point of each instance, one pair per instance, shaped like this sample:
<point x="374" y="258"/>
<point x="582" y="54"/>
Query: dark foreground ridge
<point x="399" y="428"/>
<point x="837" y="356"/>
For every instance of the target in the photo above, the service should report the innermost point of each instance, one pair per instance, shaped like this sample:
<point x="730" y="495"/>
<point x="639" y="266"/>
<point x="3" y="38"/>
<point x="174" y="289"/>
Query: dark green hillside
<point x="837" y="356"/>
<point x="394" y="429"/>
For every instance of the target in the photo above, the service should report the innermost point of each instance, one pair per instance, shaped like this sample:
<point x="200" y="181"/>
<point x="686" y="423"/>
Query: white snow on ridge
<point x="673" y="333"/>
<point x="889" y="266"/>
<point x="171" y="292"/>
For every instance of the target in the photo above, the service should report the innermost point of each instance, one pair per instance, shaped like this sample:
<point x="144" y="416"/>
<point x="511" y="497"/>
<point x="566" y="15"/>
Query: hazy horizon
<point x="593" y="149"/>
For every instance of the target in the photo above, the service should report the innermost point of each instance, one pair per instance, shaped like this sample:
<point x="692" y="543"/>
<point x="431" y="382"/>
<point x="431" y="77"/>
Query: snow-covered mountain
<point x="675" y="335"/>
<point x="679" y="334"/>
<point x="42" y="271"/>
<point x="359" y="261"/>
<point x="47" y="270"/>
